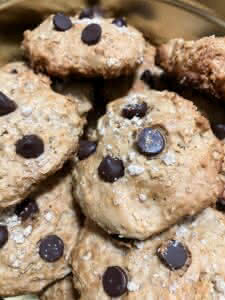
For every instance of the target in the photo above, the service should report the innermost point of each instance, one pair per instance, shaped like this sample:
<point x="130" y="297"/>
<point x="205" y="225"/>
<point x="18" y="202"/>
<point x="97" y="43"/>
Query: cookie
<point x="38" y="237"/>
<point x="148" y="75"/>
<point x="61" y="290"/>
<point x="198" y="64"/>
<point x="88" y="47"/>
<point x="40" y="130"/>
<point x="187" y="262"/>
<point x="156" y="161"/>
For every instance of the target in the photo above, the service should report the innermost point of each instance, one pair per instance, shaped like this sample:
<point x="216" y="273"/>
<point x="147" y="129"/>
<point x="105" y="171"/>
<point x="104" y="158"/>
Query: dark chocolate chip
<point x="26" y="209"/>
<point x="51" y="248"/>
<point x="91" y="34"/>
<point x="220" y="204"/>
<point x="7" y="105"/>
<point x="4" y="235"/>
<point x="62" y="22"/>
<point x="120" y="22"/>
<point x="115" y="281"/>
<point x="30" y="146"/>
<point x="91" y="12"/>
<point x="147" y="77"/>
<point x="150" y="142"/>
<point x="111" y="169"/>
<point x="86" y="148"/>
<point x="135" y="110"/>
<point x="174" y="255"/>
<point x="219" y="131"/>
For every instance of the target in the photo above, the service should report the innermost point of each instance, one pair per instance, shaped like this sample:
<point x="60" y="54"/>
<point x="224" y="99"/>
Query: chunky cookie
<point x="61" y="290"/>
<point x="185" y="263"/>
<point x="198" y="64"/>
<point x="84" y="45"/>
<point x="36" y="238"/>
<point x="156" y="161"/>
<point x="39" y="131"/>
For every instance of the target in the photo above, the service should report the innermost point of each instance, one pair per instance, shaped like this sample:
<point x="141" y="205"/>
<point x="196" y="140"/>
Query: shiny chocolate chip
<point x="30" y="146"/>
<point x="120" y="22"/>
<point x="135" y="110"/>
<point x="86" y="148"/>
<point x="115" y="281"/>
<point x="91" y="34"/>
<point x="4" y="235"/>
<point x="7" y="105"/>
<point x="51" y="248"/>
<point x="62" y="22"/>
<point x="111" y="169"/>
<point x="219" y="131"/>
<point x="26" y="209"/>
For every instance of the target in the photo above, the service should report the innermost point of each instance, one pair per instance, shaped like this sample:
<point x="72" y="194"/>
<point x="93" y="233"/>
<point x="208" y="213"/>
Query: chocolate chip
<point x="220" y="204"/>
<point x="147" y="77"/>
<point x="30" y="146"/>
<point x="120" y="22"/>
<point x="26" y="209"/>
<point x="91" y="34"/>
<point x="135" y="110"/>
<point x="115" y="281"/>
<point x="90" y="12"/>
<point x="111" y="169"/>
<point x="86" y="148"/>
<point x="174" y="255"/>
<point x="51" y="248"/>
<point x="219" y="131"/>
<point x="4" y="235"/>
<point x="62" y="22"/>
<point x="7" y="106"/>
<point x="150" y="142"/>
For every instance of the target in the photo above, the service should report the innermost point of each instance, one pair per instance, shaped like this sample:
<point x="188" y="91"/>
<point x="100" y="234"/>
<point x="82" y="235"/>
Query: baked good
<point x="84" y="45"/>
<point x="156" y="161"/>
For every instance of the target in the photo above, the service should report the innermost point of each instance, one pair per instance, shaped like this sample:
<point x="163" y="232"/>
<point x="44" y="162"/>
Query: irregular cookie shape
<point x="157" y="160"/>
<point x="39" y="131"/>
<point x="185" y="263"/>
<point x="61" y="290"/>
<point x="89" y="47"/>
<point x="41" y="234"/>
<point x="198" y="64"/>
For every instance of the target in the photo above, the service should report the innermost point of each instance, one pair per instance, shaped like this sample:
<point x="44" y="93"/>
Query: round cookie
<point x="41" y="232"/>
<point x="186" y="262"/>
<point x="157" y="161"/>
<point x="61" y="290"/>
<point x="89" y="47"/>
<point x="39" y="131"/>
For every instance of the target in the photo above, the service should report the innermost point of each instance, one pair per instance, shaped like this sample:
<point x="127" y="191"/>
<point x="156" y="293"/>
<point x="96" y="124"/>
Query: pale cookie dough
<point x="39" y="131"/>
<point x="88" y="47"/>
<point x="41" y="234"/>
<point x="185" y="263"/>
<point x="156" y="161"/>
<point x="61" y="290"/>
<point x="198" y="64"/>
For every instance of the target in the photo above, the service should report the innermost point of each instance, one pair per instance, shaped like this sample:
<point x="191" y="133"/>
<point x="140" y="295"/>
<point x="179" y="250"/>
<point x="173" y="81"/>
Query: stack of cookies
<point x="111" y="181"/>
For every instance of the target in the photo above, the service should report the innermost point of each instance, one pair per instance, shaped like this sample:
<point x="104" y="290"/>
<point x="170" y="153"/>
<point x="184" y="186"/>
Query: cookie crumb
<point x="132" y="286"/>
<point x="135" y="170"/>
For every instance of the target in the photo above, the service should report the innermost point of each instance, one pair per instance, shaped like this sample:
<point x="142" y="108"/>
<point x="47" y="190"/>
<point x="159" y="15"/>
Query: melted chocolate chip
<point x="115" y="281"/>
<point x="174" y="255"/>
<point x="150" y="142"/>
<point x="91" y="34"/>
<point x="62" y="22"/>
<point x="111" y="169"/>
<point x="220" y="204"/>
<point x="26" y="209"/>
<point x="4" y="235"/>
<point x="120" y="22"/>
<point x="135" y="110"/>
<point x="219" y="131"/>
<point x="90" y="12"/>
<point x="7" y="106"/>
<point x="86" y="148"/>
<point x="30" y="146"/>
<point x="51" y="248"/>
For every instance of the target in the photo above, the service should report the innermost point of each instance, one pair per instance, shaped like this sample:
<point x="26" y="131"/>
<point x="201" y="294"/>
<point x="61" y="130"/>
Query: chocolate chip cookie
<point x="198" y="64"/>
<point x="156" y="161"/>
<point x="186" y="262"/>
<point x="39" y="131"/>
<point x="61" y="290"/>
<point x="84" y="45"/>
<point x="37" y="236"/>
